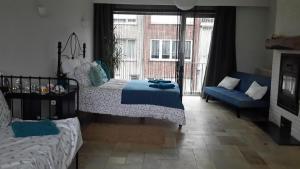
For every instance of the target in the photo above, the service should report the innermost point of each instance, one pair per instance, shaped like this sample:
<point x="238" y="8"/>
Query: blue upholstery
<point x="234" y="97"/>
<point x="237" y="97"/>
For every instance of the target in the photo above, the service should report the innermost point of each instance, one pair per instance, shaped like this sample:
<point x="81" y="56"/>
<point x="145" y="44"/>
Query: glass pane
<point x="131" y="49"/>
<point x="189" y="21"/>
<point x="187" y="50"/>
<point x="174" y="49"/>
<point x="124" y="19"/>
<point x="155" y="49"/>
<point x="122" y="45"/>
<point x="166" y="49"/>
<point x="165" y="19"/>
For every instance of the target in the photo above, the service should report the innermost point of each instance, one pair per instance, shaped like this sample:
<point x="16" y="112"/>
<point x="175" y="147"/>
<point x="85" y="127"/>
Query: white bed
<point x="47" y="152"/>
<point x="106" y="99"/>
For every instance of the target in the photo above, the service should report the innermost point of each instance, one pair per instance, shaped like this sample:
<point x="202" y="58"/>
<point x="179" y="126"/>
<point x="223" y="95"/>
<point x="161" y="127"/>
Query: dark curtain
<point x="103" y="32"/>
<point x="222" y="54"/>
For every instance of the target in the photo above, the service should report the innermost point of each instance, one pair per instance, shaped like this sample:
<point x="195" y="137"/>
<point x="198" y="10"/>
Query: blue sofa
<point x="237" y="97"/>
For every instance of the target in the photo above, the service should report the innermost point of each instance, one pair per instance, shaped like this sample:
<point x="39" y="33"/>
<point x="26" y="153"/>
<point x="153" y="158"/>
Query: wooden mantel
<point x="283" y="43"/>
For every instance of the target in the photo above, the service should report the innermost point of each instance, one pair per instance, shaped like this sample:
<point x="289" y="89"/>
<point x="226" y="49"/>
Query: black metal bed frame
<point x="27" y="86"/>
<point x="25" y="90"/>
<point x="14" y="90"/>
<point x="74" y="45"/>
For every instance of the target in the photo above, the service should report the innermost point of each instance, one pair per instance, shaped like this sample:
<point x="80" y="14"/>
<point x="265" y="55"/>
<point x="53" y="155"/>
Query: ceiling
<point x="257" y="3"/>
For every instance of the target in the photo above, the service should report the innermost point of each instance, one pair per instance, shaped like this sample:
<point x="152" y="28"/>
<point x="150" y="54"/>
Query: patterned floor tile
<point x="213" y="138"/>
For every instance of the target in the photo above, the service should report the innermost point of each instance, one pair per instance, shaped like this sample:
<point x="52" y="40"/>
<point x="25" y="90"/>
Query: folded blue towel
<point x="39" y="128"/>
<point x="159" y="81"/>
<point x="162" y="85"/>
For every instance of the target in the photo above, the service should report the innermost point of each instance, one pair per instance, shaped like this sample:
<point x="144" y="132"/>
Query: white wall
<point x="287" y="18"/>
<point x="287" y="24"/>
<point x="251" y="33"/>
<point x="28" y="42"/>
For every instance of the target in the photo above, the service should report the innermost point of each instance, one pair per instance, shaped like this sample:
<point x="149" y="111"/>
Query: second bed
<point x="107" y="99"/>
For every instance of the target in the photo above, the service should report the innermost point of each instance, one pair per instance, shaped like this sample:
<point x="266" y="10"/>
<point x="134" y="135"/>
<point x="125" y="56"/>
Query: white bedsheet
<point x="106" y="99"/>
<point x="47" y="152"/>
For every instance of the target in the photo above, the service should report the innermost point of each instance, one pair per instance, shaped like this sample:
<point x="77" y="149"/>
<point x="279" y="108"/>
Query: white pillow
<point x="5" y="115"/>
<point x="69" y="65"/>
<point x="229" y="83"/>
<point x="256" y="92"/>
<point x="81" y="74"/>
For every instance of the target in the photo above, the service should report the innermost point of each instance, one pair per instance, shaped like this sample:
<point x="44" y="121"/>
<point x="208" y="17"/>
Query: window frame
<point x="126" y="47"/>
<point x="154" y="21"/>
<point x="126" y="20"/>
<point x="160" y="59"/>
<point x="159" y="51"/>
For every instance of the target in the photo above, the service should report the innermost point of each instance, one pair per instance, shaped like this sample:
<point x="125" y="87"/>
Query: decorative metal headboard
<point x="75" y="51"/>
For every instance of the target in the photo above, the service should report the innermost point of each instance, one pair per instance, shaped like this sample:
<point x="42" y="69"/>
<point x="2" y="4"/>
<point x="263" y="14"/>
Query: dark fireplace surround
<point x="288" y="89"/>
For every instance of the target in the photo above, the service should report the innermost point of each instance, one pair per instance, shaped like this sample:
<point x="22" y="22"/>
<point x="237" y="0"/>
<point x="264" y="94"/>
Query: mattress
<point x="106" y="99"/>
<point x="47" y="152"/>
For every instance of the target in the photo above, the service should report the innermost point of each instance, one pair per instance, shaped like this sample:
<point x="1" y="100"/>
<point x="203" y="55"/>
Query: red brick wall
<point x="166" y="69"/>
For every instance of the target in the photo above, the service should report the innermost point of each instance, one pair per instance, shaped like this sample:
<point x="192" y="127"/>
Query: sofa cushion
<point x="234" y="97"/>
<point x="247" y="79"/>
<point x="229" y="83"/>
<point x="256" y="91"/>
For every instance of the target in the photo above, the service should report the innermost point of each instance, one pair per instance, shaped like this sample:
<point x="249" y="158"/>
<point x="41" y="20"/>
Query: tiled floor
<point x="212" y="139"/>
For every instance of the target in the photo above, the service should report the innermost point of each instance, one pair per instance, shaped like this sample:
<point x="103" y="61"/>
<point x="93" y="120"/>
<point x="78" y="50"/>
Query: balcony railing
<point x="193" y="74"/>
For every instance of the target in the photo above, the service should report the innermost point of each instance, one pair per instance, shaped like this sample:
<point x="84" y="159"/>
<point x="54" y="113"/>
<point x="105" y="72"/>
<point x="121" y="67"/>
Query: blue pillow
<point x="39" y="128"/>
<point x="95" y="76"/>
<point x="105" y="68"/>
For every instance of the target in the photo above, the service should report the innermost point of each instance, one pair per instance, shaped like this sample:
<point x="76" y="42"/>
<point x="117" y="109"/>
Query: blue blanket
<point x="30" y="128"/>
<point x="159" y="81"/>
<point x="139" y="92"/>
<point x="162" y="85"/>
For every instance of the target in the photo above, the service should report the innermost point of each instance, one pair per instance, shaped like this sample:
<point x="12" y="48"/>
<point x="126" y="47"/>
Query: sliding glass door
<point x="157" y="45"/>
<point x="198" y="33"/>
<point x="149" y="46"/>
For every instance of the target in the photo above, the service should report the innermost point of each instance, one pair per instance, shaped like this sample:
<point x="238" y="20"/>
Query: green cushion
<point x="105" y="68"/>
<point x="103" y="73"/>
<point x="95" y="76"/>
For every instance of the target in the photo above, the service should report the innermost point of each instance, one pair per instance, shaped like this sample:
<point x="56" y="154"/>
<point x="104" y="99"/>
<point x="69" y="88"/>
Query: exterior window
<point x="155" y="49"/>
<point x="187" y="50"/>
<point x="131" y="50"/>
<point x="125" y="19"/>
<point x="169" y="20"/>
<point x="167" y="50"/>
<point x="128" y="47"/>
<point x="174" y="49"/>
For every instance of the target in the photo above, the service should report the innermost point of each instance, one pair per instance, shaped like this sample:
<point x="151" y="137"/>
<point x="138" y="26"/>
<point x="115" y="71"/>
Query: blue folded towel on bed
<point x="162" y="85"/>
<point x="36" y="128"/>
<point x="159" y="81"/>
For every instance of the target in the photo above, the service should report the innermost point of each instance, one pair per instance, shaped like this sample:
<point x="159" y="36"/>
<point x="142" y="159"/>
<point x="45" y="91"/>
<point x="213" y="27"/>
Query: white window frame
<point x="170" y="55"/>
<point x="126" y="20"/>
<point x="126" y="46"/>
<point x="174" y="20"/>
